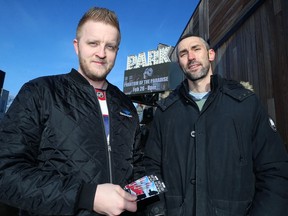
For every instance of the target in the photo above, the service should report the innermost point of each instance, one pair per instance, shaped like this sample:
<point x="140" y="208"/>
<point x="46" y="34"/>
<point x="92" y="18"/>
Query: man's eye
<point x="111" y="47"/>
<point x="183" y="54"/>
<point x="197" y="48"/>
<point x="93" y="44"/>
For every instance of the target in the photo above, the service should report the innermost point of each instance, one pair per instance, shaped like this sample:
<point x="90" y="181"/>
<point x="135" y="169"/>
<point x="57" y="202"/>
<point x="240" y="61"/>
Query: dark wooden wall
<point x="255" y="50"/>
<point x="250" y="38"/>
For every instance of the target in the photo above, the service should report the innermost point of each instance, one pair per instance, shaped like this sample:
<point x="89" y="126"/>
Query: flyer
<point x="146" y="187"/>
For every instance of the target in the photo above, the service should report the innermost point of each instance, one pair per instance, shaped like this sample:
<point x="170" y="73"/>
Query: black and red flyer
<point x="146" y="187"/>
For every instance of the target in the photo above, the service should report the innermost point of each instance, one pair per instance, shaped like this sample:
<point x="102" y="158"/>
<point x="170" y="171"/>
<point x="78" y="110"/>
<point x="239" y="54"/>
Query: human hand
<point x="112" y="200"/>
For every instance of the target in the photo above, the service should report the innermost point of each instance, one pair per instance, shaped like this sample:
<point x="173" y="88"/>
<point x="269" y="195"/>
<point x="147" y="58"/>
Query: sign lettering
<point x="158" y="56"/>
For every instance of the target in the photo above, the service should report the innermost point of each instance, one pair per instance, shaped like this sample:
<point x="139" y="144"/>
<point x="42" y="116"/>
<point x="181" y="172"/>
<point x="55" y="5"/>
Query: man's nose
<point x="191" y="55"/>
<point x="101" y="51"/>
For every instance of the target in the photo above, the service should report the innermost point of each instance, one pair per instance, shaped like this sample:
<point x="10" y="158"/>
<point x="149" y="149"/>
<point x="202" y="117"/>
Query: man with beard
<point x="214" y="145"/>
<point x="69" y="142"/>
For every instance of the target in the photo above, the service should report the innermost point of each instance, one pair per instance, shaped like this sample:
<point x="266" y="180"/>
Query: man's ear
<point x="211" y="55"/>
<point x="75" y="43"/>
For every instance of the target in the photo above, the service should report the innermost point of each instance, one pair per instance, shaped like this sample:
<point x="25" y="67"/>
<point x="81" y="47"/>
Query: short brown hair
<point x="206" y="43"/>
<point x="98" y="14"/>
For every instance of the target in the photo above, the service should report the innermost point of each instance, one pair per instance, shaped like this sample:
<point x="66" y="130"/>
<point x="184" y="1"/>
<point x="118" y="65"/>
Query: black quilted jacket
<point x="53" y="145"/>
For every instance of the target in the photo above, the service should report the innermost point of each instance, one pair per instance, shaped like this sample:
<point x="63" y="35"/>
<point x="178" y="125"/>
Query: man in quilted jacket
<point x="69" y="142"/>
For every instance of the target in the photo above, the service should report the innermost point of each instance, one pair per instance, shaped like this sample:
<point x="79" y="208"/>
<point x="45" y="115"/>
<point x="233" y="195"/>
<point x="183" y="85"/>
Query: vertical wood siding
<point x="250" y="38"/>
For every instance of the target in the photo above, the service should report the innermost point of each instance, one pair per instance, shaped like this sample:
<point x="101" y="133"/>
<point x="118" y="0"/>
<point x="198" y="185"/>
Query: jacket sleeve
<point x="153" y="148"/>
<point x="152" y="162"/>
<point x="138" y="153"/>
<point x="270" y="168"/>
<point x="23" y="184"/>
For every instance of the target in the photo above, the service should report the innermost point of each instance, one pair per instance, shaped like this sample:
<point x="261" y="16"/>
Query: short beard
<point x="90" y="75"/>
<point x="202" y="74"/>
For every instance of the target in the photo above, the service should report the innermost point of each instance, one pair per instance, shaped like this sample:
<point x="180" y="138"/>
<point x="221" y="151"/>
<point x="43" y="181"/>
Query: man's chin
<point x="98" y="78"/>
<point x="195" y="78"/>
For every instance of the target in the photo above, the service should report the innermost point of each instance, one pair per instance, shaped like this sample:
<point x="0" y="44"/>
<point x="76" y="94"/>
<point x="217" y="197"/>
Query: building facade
<point x="250" y="40"/>
<point x="4" y="94"/>
<point x="3" y="102"/>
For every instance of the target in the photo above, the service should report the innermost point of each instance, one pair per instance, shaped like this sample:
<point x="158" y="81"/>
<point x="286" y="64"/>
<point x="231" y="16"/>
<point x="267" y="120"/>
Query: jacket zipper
<point x="109" y="160"/>
<point x="109" y="148"/>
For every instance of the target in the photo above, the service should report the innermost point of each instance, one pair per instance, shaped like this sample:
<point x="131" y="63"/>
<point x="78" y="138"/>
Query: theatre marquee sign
<point x="154" y="57"/>
<point x="152" y="74"/>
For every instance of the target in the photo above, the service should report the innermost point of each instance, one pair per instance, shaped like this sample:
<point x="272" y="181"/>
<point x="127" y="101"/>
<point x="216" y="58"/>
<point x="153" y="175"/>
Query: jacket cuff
<point x="86" y="197"/>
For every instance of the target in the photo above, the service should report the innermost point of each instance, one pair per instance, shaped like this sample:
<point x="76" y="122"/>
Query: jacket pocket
<point x="231" y="208"/>
<point x="241" y="150"/>
<point x="174" y="206"/>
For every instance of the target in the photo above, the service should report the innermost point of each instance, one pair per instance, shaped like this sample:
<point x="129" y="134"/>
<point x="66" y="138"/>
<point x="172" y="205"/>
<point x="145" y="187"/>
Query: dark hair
<point x="184" y="36"/>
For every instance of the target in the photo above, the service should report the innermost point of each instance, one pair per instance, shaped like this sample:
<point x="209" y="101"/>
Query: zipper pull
<point x="108" y="144"/>
<point x="109" y="147"/>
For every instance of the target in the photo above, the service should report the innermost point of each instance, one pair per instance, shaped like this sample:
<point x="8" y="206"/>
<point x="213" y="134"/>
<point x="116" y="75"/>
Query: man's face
<point x="97" y="48"/>
<point x="194" y="58"/>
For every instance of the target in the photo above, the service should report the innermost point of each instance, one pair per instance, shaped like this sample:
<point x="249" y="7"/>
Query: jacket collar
<point x="182" y="90"/>
<point x="215" y="82"/>
<point x="79" y="79"/>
